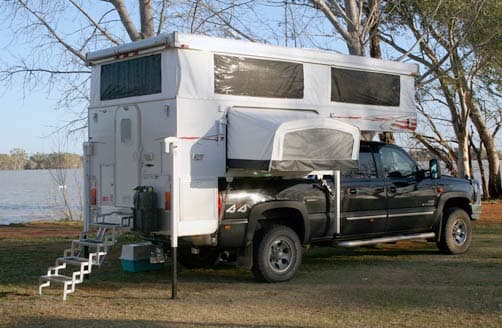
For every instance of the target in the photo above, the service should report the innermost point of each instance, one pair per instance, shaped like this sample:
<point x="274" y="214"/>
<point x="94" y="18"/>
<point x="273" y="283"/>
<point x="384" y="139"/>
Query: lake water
<point x="33" y="195"/>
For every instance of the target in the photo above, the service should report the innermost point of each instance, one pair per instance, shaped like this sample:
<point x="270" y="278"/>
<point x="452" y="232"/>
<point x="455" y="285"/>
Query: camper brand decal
<point x="237" y="208"/>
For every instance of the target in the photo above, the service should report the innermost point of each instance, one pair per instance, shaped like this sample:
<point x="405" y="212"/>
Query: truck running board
<point x="355" y="243"/>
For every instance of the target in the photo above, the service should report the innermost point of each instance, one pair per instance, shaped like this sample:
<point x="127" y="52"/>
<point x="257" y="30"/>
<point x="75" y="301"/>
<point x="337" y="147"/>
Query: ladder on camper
<point x="83" y="254"/>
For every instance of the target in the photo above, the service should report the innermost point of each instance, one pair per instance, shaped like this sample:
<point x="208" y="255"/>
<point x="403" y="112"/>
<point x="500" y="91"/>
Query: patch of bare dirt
<point x="492" y="212"/>
<point x="40" y="230"/>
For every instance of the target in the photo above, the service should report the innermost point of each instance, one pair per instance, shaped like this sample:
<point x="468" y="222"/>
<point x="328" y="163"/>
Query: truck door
<point x="127" y="154"/>
<point x="410" y="202"/>
<point x="363" y="204"/>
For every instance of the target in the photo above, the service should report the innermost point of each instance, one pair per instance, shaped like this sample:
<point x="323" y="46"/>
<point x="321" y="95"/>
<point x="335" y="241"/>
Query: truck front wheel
<point x="456" y="234"/>
<point x="277" y="254"/>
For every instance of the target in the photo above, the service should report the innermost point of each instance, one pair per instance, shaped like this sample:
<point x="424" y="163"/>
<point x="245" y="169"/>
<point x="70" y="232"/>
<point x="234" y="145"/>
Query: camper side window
<point x="242" y="76"/>
<point x="130" y="78"/>
<point x="125" y="130"/>
<point x="367" y="88"/>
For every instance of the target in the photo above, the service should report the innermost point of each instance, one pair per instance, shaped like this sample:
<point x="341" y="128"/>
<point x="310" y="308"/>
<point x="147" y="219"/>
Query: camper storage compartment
<point x="136" y="258"/>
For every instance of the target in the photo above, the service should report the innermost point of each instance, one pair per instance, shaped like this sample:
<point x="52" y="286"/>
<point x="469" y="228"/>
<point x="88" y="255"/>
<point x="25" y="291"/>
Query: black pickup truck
<point x="265" y="222"/>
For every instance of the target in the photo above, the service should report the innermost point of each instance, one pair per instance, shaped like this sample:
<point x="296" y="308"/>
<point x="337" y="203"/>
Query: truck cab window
<point x="397" y="164"/>
<point x="365" y="170"/>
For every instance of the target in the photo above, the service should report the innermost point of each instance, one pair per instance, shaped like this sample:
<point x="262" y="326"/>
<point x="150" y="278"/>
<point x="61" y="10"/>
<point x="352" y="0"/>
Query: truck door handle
<point x="392" y="189"/>
<point x="352" y="191"/>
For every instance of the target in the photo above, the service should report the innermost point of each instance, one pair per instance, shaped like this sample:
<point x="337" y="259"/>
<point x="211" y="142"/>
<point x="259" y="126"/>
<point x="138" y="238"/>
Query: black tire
<point x="206" y="257"/>
<point x="277" y="254"/>
<point x="456" y="232"/>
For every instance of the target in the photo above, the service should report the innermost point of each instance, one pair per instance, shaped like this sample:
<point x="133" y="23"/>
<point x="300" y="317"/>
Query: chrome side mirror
<point x="435" y="169"/>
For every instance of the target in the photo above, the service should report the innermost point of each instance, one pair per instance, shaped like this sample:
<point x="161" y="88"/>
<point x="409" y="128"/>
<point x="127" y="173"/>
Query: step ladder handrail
<point x="54" y="270"/>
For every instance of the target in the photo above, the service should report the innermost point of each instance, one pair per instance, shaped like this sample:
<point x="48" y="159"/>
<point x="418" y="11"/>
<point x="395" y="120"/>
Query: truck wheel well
<point x="459" y="202"/>
<point x="289" y="217"/>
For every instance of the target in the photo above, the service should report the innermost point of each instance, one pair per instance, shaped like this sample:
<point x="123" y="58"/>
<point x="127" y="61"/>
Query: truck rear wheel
<point x="277" y="254"/>
<point x="456" y="234"/>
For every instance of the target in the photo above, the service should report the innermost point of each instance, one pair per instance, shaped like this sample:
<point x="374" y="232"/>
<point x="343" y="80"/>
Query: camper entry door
<point x="127" y="154"/>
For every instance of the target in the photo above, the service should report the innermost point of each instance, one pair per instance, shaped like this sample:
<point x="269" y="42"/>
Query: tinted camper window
<point x="243" y="76"/>
<point x="129" y="78"/>
<point x="368" y="88"/>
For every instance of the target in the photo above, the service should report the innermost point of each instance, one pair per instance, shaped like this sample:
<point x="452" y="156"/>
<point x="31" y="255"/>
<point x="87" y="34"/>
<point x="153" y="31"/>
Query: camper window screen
<point x="317" y="144"/>
<point x="129" y="78"/>
<point x="243" y="76"/>
<point x="367" y="88"/>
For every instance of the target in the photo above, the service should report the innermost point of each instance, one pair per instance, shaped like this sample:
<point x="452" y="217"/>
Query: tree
<point x="18" y="158"/>
<point x="452" y="50"/>
<point x="356" y="21"/>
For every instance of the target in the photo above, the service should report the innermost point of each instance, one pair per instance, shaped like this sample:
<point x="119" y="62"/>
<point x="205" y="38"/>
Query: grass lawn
<point x="408" y="284"/>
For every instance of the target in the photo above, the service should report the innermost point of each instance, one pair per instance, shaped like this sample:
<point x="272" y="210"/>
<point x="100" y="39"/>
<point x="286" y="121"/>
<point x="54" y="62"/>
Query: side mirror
<point x="435" y="169"/>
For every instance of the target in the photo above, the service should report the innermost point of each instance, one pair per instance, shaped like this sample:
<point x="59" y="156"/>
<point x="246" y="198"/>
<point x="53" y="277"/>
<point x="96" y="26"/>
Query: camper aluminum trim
<point x="239" y="47"/>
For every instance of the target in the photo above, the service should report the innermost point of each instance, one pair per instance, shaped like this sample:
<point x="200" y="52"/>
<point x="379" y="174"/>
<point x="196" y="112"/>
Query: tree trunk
<point x="463" y="156"/>
<point x="146" y="14"/>
<point x="494" y="179"/>
<point x="479" y="159"/>
<point x="354" y="43"/>
<point x="376" y="52"/>
<point x="126" y="19"/>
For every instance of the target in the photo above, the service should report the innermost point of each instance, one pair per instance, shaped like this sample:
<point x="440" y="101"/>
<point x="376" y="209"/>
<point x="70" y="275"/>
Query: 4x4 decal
<point x="237" y="208"/>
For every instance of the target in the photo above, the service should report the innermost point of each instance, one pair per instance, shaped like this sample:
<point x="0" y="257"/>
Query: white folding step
<point x="56" y="278"/>
<point x="73" y="260"/>
<point x="72" y="256"/>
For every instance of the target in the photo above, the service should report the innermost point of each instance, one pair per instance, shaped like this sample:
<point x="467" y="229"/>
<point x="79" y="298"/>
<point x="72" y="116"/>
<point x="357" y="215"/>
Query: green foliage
<point x="18" y="159"/>
<point x="474" y="25"/>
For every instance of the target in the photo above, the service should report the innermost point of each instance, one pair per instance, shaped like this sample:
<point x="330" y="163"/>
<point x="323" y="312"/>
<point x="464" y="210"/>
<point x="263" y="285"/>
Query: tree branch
<point x="162" y="16"/>
<point x="54" y="34"/>
<point x="126" y="19"/>
<point x="96" y="24"/>
<point x="331" y="17"/>
<point x="226" y="22"/>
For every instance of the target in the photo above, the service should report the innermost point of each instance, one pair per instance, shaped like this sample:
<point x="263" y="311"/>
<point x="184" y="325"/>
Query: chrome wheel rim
<point x="459" y="232"/>
<point x="281" y="255"/>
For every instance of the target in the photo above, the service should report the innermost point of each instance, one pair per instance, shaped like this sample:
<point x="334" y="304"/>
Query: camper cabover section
<point x="170" y="112"/>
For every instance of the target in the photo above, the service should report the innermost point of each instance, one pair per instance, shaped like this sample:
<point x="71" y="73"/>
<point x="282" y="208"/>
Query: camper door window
<point x="367" y="88"/>
<point x="133" y="77"/>
<point x="243" y="76"/>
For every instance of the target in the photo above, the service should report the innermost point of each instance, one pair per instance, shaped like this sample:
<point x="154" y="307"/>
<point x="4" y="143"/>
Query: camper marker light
<point x="167" y="200"/>
<point x="220" y="203"/>
<point x="93" y="196"/>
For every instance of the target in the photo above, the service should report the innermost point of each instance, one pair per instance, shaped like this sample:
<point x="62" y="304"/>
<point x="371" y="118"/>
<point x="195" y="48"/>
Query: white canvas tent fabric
<point x="289" y="141"/>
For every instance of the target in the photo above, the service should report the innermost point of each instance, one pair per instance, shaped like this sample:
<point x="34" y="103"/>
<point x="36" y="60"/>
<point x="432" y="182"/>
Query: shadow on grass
<point x="54" y="322"/>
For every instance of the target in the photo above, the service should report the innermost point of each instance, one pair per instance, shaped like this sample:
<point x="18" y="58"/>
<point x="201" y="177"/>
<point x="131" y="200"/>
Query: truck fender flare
<point x="438" y="225"/>
<point x="257" y="211"/>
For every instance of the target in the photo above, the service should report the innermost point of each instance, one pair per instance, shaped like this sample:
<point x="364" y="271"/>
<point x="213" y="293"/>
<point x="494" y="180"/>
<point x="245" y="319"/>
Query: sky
<point x="30" y="122"/>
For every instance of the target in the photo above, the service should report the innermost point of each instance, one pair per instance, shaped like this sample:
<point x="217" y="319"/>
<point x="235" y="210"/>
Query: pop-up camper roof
<point x="289" y="141"/>
<point x="326" y="98"/>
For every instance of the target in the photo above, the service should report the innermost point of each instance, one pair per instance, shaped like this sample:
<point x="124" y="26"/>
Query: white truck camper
<point x="179" y="112"/>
